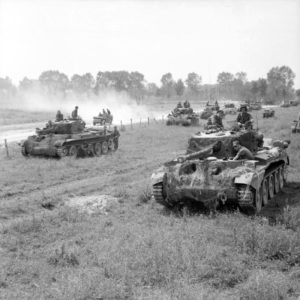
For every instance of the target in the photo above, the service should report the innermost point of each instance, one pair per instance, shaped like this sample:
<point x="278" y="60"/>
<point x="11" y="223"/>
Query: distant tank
<point x="207" y="113"/>
<point x="70" y="138"/>
<point x="268" y="113"/>
<point x="103" y="119"/>
<point x="183" y="116"/>
<point x="206" y="175"/>
<point x="255" y="106"/>
<point x="293" y="103"/>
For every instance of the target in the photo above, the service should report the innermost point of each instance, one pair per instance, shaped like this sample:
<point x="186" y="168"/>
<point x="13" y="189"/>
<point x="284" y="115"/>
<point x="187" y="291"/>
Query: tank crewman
<point x="108" y="111"/>
<point x="244" y="117"/>
<point x="116" y="136"/>
<point x="75" y="113"/>
<point x="217" y="105"/>
<point x="241" y="152"/>
<point x="59" y="116"/>
<point x="216" y="120"/>
<point x="179" y="105"/>
<point x="186" y="104"/>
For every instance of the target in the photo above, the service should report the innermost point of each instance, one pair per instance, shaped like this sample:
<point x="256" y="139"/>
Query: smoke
<point x="121" y="106"/>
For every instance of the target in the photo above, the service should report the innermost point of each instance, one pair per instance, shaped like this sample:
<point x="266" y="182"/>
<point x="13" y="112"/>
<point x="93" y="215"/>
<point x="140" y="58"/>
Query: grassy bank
<point x="136" y="249"/>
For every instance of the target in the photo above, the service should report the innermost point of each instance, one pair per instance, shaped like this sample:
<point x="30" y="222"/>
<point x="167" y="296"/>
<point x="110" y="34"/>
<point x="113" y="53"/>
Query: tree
<point x="54" y="82"/>
<point x="225" y="78"/>
<point x="179" y="87"/>
<point x="7" y="89"/>
<point x="152" y="89"/>
<point x="241" y="76"/>
<point x="27" y="84"/>
<point x="280" y="84"/>
<point x="193" y="82"/>
<point x="82" y="83"/>
<point x="168" y="85"/>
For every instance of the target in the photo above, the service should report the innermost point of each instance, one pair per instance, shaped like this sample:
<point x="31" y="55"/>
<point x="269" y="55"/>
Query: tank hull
<point x="211" y="181"/>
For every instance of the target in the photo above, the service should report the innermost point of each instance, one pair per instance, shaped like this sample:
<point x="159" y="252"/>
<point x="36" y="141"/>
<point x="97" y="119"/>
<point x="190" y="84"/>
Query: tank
<point x="183" y="116"/>
<point x="255" y="106"/>
<point x="268" y="113"/>
<point x="207" y="113"/>
<point x="293" y="103"/>
<point x="70" y="138"/>
<point x="103" y="120"/>
<point x="208" y="176"/>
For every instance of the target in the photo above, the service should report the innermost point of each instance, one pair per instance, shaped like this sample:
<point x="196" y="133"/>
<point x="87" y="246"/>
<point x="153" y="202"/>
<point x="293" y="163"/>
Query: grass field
<point x="135" y="249"/>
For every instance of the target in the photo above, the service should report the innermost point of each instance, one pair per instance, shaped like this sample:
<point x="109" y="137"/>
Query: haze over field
<point x="152" y="37"/>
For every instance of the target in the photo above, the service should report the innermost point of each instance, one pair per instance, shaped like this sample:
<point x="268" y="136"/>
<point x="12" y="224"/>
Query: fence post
<point x="148" y="121"/>
<point x="131" y="123"/>
<point x="6" y="148"/>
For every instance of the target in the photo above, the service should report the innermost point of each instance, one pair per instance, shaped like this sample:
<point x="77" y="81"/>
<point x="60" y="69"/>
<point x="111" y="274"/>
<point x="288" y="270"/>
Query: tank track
<point x="246" y="194"/>
<point x="159" y="196"/>
<point x="23" y="151"/>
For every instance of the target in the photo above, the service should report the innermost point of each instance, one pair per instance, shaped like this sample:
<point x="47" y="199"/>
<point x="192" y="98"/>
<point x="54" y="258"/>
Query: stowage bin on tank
<point x="70" y="138"/>
<point x="208" y="175"/>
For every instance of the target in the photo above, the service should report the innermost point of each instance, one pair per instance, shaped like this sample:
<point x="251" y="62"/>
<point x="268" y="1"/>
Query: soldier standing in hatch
<point x="216" y="120"/>
<point x="75" y="113"/>
<point x="59" y="116"/>
<point x="241" y="152"/>
<point x="244" y="118"/>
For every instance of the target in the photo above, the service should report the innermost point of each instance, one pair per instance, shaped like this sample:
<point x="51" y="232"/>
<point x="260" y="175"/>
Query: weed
<point x="145" y="195"/>
<point x="63" y="258"/>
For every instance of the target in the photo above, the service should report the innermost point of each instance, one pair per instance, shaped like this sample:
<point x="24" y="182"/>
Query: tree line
<point x="276" y="87"/>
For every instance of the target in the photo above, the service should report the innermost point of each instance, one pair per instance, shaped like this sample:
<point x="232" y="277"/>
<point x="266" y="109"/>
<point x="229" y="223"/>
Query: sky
<point x="152" y="37"/>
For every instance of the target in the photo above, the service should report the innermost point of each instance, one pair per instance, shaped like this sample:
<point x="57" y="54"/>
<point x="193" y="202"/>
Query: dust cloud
<point x="121" y="106"/>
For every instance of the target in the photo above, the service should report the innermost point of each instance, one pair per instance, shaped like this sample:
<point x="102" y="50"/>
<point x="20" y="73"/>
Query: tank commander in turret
<point x="75" y="113"/>
<point x="179" y="105"/>
<point x="241" y="152"/>
<point x="216" y="120"/>
<point x="59" y="116"/>
<point x="186" y="104"/>
<point x="244" y="118"/>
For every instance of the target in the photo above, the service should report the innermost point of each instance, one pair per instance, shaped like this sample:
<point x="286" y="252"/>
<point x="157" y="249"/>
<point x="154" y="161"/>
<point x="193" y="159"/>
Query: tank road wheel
<point x="264" y="192"/>
<point x="276" y="182"/>
<point x="73" y="151"/>
<point x="62" y="151"/>
<point x="111" y="144"/>
<point x="271" y="186"/>
<point x="24" y="151"/>
<point x="104" y="147"/>
<point x="159" y="196"/>
<point x="97" y="149"/>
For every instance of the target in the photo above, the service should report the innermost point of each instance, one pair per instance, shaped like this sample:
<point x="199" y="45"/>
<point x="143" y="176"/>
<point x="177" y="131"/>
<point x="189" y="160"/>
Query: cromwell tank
<point x="183" y="116"/>
<point x="103" y="120"/>
<point x="207" y="175"/>
<point x="268" y="113"/>
<point x="70" y="138"/>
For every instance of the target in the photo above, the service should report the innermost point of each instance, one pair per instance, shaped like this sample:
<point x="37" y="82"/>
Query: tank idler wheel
<point x="97" y="149"/>
<point x="111" y="144"/>
<point x="264" y="192"/>
<point x="24" y="151"/>
<point x="281" y="178"/>
<point x="276" y="182"/>
<point x="159" y="195"/>
<point x="73" y="151"/>
<point x="104" y="147"/>
<point x="271" y="186"/>
<point x="62" y="151"/>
